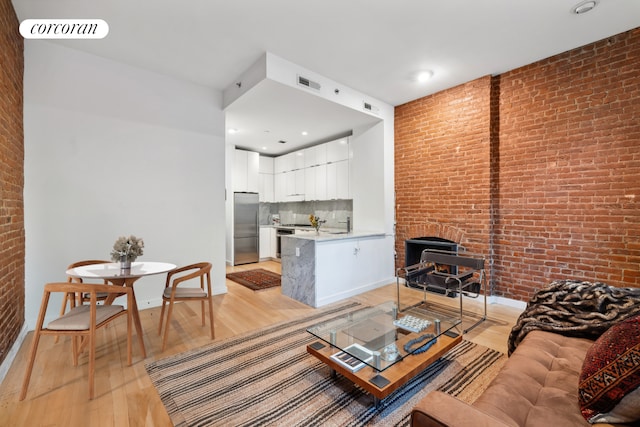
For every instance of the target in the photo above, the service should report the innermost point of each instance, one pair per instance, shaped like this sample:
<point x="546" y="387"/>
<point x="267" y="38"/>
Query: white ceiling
<point x="373" y="46"/>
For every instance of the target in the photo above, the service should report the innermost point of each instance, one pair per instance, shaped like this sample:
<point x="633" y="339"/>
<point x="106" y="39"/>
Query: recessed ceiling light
<point x="264" y="148"/>
<point x="423" y="76"/>
<point x="232" y="131"/>
<point x="305" y="133"/>
<point x="584" y="7"/>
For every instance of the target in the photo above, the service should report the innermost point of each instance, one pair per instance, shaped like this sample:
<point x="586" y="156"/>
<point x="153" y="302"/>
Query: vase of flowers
<point x="126" y="250"/>
<point x="316" y="222"/>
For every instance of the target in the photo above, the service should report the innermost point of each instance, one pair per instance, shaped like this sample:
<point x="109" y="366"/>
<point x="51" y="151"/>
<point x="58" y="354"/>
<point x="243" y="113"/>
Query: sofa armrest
<point x="438" y="409"/>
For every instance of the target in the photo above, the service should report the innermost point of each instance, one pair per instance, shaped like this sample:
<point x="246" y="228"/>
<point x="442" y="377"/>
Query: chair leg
<point x="161" y="317"/>
<point x="76" y="349"/>
<point x="202" y="310"/>
<point x="32" y="358"/>
<point x="211" y="315"/>
<point x="92" y="363"/>
<point x="166" y="327"/>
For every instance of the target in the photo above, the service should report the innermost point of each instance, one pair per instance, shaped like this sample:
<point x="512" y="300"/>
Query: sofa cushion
<point x="610" y="377"/>
<point x="538" y="385"/>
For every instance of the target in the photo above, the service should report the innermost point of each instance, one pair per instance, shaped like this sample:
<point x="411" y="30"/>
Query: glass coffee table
<point x="380" y="349"/>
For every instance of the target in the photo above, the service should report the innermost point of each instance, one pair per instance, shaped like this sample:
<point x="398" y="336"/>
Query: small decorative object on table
<point x="412" y="323"/>
<point x="126" y="250"/>
<point x="408" y="347"/>
<point x="352" y="357"/>
<point x="390" y="352"/>
<point x="316" y="222"/>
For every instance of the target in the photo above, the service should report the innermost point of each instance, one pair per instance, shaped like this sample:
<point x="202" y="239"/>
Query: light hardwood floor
<point x="58" y="392"/>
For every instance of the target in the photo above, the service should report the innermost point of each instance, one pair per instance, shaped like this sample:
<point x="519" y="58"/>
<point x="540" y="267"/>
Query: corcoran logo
<point x="64" y="29"/>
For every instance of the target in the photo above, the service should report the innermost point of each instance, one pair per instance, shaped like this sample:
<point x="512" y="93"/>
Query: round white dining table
<point x="123" y="277"/>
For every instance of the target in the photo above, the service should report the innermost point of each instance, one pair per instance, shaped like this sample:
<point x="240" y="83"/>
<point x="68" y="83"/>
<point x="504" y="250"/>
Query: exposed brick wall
<point x="550" y="187"/>
<point x="11" y="180"/>
<point x="569" y="169"/>
<point x="442" y="167"/>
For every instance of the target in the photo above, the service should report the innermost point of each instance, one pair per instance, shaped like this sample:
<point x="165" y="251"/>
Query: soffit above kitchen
<point x="376" y="47"/>
<point x="271" y="112"/>
<point x="276" y="107"/>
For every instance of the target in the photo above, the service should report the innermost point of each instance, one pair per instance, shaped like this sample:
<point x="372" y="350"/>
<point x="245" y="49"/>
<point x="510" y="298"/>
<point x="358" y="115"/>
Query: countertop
<point x="329" y="234"/>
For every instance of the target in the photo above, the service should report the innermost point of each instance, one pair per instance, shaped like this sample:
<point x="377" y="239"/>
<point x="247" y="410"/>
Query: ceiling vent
<point x="370" y="108"/>
<point x="303" y="81"/>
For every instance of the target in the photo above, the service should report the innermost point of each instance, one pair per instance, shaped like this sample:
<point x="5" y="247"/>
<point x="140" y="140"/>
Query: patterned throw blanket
<point x="575" y="309"/>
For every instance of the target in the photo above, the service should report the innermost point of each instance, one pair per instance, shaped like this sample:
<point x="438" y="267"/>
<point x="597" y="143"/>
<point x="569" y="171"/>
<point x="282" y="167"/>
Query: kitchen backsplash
<point x="335" y="212"/>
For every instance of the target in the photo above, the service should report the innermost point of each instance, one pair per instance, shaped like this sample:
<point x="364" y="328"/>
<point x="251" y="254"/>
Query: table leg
<point x="136" y="320"/>
<point x="134" y="310"/>
<point x="376" y="402"/>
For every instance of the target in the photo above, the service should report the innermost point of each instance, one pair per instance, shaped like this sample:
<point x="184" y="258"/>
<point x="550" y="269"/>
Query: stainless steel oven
<point x="279" y="233"/>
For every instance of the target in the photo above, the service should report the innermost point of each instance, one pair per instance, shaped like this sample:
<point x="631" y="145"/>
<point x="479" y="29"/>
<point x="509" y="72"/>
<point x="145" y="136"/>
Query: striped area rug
<point x="266" y="377"/>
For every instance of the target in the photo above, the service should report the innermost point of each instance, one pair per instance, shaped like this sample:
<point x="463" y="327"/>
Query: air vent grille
<point x="370" y="107"/>
<point x="303" y="81"/>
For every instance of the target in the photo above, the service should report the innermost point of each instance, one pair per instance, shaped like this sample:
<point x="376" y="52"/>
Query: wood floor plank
<point x="125" y="396"/>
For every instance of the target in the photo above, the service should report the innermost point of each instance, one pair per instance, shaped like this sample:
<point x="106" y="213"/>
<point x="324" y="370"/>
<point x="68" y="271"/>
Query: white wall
<point x="367" y="182"/>
<point x="113" y="150"/>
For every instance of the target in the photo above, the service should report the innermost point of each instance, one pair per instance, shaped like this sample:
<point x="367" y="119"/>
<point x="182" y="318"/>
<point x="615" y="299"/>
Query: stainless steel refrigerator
<point x="245" y="228"/>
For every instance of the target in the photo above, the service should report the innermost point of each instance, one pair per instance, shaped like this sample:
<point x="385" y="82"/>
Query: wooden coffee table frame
<point x="398" y="374"/>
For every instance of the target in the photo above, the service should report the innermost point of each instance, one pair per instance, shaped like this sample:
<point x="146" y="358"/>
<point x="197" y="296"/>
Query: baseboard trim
<point x="13" y="352"/>
<point x="507" y="302"/>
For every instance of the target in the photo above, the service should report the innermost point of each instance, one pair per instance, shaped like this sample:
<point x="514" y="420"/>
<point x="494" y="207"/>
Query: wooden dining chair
<point x="71" y="299"/>
<point x="176" y="291"/>
<point x="80" y="322"/>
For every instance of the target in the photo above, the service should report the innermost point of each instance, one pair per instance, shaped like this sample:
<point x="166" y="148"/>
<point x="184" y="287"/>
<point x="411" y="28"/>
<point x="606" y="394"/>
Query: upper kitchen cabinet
<point x="298" y="160"/>
<point x="266" y="164"/>
<point x="266" y="190"/>
<point x="337" y="150"/>
<point x="284" y="163"/>
<point x="315" y="182"/>
<point x="245" y="171"/>
<point x="338" y="185"/>
<point x="316" y="155"/>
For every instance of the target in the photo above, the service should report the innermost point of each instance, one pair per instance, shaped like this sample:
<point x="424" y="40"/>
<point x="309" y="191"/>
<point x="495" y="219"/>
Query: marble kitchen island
<point x="321" y="269"/>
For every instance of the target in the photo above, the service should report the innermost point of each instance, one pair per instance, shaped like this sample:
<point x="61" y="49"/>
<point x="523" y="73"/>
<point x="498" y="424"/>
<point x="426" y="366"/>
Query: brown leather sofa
<point x="537" y="386"/>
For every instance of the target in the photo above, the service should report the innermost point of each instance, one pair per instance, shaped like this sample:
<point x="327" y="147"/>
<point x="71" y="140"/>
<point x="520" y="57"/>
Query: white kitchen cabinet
<point x="280" y="187"/>
<point x="287" y="162"/>
<point x="315" y="183"/>
<point x="265" y="164"/>
<point x="338" y="180"/>
<point x="273" y="250"/>
<point x="264" y="251"/>
<point x="240" y="170"/>
<point x="310" y="184"/>
<point x="316" y="155"/>
<point x="320" y="172"/>
<point x="338" y="150"/>
<point x="348" y="267"/>
<point x="266" y="180"/>
<point x="298" y="160"/>
<point x="245" y="171"/>
<point x="252" y="172"/>
<point x="293" y="182"/>
<point x="329" y="270"/>
<point x="284" y="163"/>
<point x="266" y="188"/>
